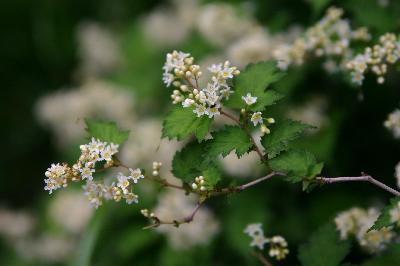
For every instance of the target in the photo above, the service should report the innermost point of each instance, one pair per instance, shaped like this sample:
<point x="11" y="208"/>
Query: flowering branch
<point x="363" y="178"/>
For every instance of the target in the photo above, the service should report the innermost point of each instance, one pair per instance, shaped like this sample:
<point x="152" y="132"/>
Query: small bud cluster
<point x="330" y="37"/>
<point x="356" y="222"/>
<point x="146" y="213"/>
<point x="393" y="123"/>
<point x="156" y="168"/>
<point x="199" y="184"/>
<point x="278" y="246"/>
<point x="180" y="71"/>
<point x="95" y="151"/>
<point x="375" y="59"/>
<point x="256" y="117"/>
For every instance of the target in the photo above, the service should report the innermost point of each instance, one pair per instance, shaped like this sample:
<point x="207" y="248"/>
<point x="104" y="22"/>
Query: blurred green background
<point x="41" y="52"/>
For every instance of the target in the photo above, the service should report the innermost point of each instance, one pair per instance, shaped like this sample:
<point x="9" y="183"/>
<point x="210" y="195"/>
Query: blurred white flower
<point x="221" y="24"/>
<point x="174" y="204"/>
<point x="393" y="123"/>
<point x="15" y="224"/>
<point x="71" y="210"/>
<point x="64" y="111"/>
<point x="312" y="112"/>
<point x="247" y="165"/>
<point x="397" y="173"/>
<point x="98" y="50"/>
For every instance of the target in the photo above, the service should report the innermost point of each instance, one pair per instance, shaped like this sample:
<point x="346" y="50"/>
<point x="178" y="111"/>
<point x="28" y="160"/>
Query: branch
<point x="261" y="258"/>
<point x="188" y="219"/>
<point x="364" y="178"/>
<point x="228" y="190"/>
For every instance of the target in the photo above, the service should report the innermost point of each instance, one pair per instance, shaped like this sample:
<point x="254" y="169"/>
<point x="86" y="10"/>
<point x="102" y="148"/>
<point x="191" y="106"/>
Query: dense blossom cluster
<point x="330" y="37"/>
<point x="96" y="151"/>
<point x="180" y="72"/>
<point x="278" y="246"/>
<point x="356" y="222"/>
<point x="376" y="59"/>
<point x="393" y="123"/>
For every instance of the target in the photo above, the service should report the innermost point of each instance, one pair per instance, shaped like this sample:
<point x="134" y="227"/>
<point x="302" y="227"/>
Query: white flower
<point x="106" y="154"/>
<point x="123" y="182"/>
<point x="212" y="98"/>
<point x="200" y="110"/>
<point x="212" y="111"/>
<point x="259" y="241"/>
<point x="168" y="78"/>
<point x="135" y="175"/>
<point x="249" y="99"/>
<point x="87" y="173"/>
<point x="393" y="123"/>
<point x="254" y="229"/>
<point x="131" y="198"/>
<point x="187" y="102"/>
<point x="395" y="214"/>
<point x="256" y="118"/>
<point x="215" y="68"/>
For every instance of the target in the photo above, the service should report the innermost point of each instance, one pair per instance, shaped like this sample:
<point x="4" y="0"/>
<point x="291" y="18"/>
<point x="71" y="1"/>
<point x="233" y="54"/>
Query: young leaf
<point x="384" y="220"/>
<point x="299" y="165"/>
<point x="324" y="248"/>
<point x="228" y="139"/>
<point x="189" y="163"/>
<point x="211" y="176"/>
<point x="182" y="122"/>
<point x="254" y="80"/>
<point x="282" y="133"/>
<point x="106" y="131"/>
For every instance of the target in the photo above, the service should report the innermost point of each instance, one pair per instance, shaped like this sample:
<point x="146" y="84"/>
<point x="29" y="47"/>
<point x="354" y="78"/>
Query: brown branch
<point x="228" y="190"/>
<point x="188" y="219"/>
<point x="261" y="258"/>
<point x="363" y="178"/>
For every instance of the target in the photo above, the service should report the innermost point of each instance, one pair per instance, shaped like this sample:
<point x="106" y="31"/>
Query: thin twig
<point x="261" y="258"/>
<point x="364" y="178"/>
<point x="188" y="219"/>
<point x="239" y="188"/>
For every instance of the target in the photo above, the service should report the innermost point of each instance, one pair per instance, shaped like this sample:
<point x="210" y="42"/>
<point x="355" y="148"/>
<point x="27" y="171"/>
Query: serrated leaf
<point x="254" y="80"/>
<point x="189" y="163"/>
<point x="282" y="133"/>
<point x="211" y="176"/>
<point x="182" y="122"/>
<point x="228" y="139"/>
<point x="324" y="248"/>
<point x="106" y="131"/>
<point x="299" y="165"/>
<point x="384" y="219"/>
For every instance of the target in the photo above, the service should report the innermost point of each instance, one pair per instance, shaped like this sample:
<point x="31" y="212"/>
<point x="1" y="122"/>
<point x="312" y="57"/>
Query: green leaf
<point x="299" y="165"/>
<point x="318" y="5"/>
<point x="228" y="139"/>
<point x="211" y="176"/>
<point x="182" y="122"/>
<point x="254" y="80"/>
<point x="106" y="131"/>
<point x="189" y="163"/>
<point x="324" y="248"/>
<point x="88" y="242"/>
<point x="282" y="133"/>
<point x="391" y="256"/>
<point x="384" y="219"/>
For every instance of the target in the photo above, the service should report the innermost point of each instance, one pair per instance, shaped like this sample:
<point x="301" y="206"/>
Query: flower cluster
<point x="329" y="37"/>
<point x="156" y="168"/>
<point x="256" y="118"/>
<point x="393" y="123"/>
<point x="356" y="222"/>
<point x="96" y="151"/>
<point x="180" y="71"/>
<point x="277" y="244"/>
<point x="375" y="59"/>
<point x="199" y="183"/>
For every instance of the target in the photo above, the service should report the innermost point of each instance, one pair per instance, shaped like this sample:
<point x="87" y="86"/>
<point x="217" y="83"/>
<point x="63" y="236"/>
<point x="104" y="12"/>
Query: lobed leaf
<point x="282" y="133"/>
<point x="106" y="131"/>
<point x="182" y="122"/>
